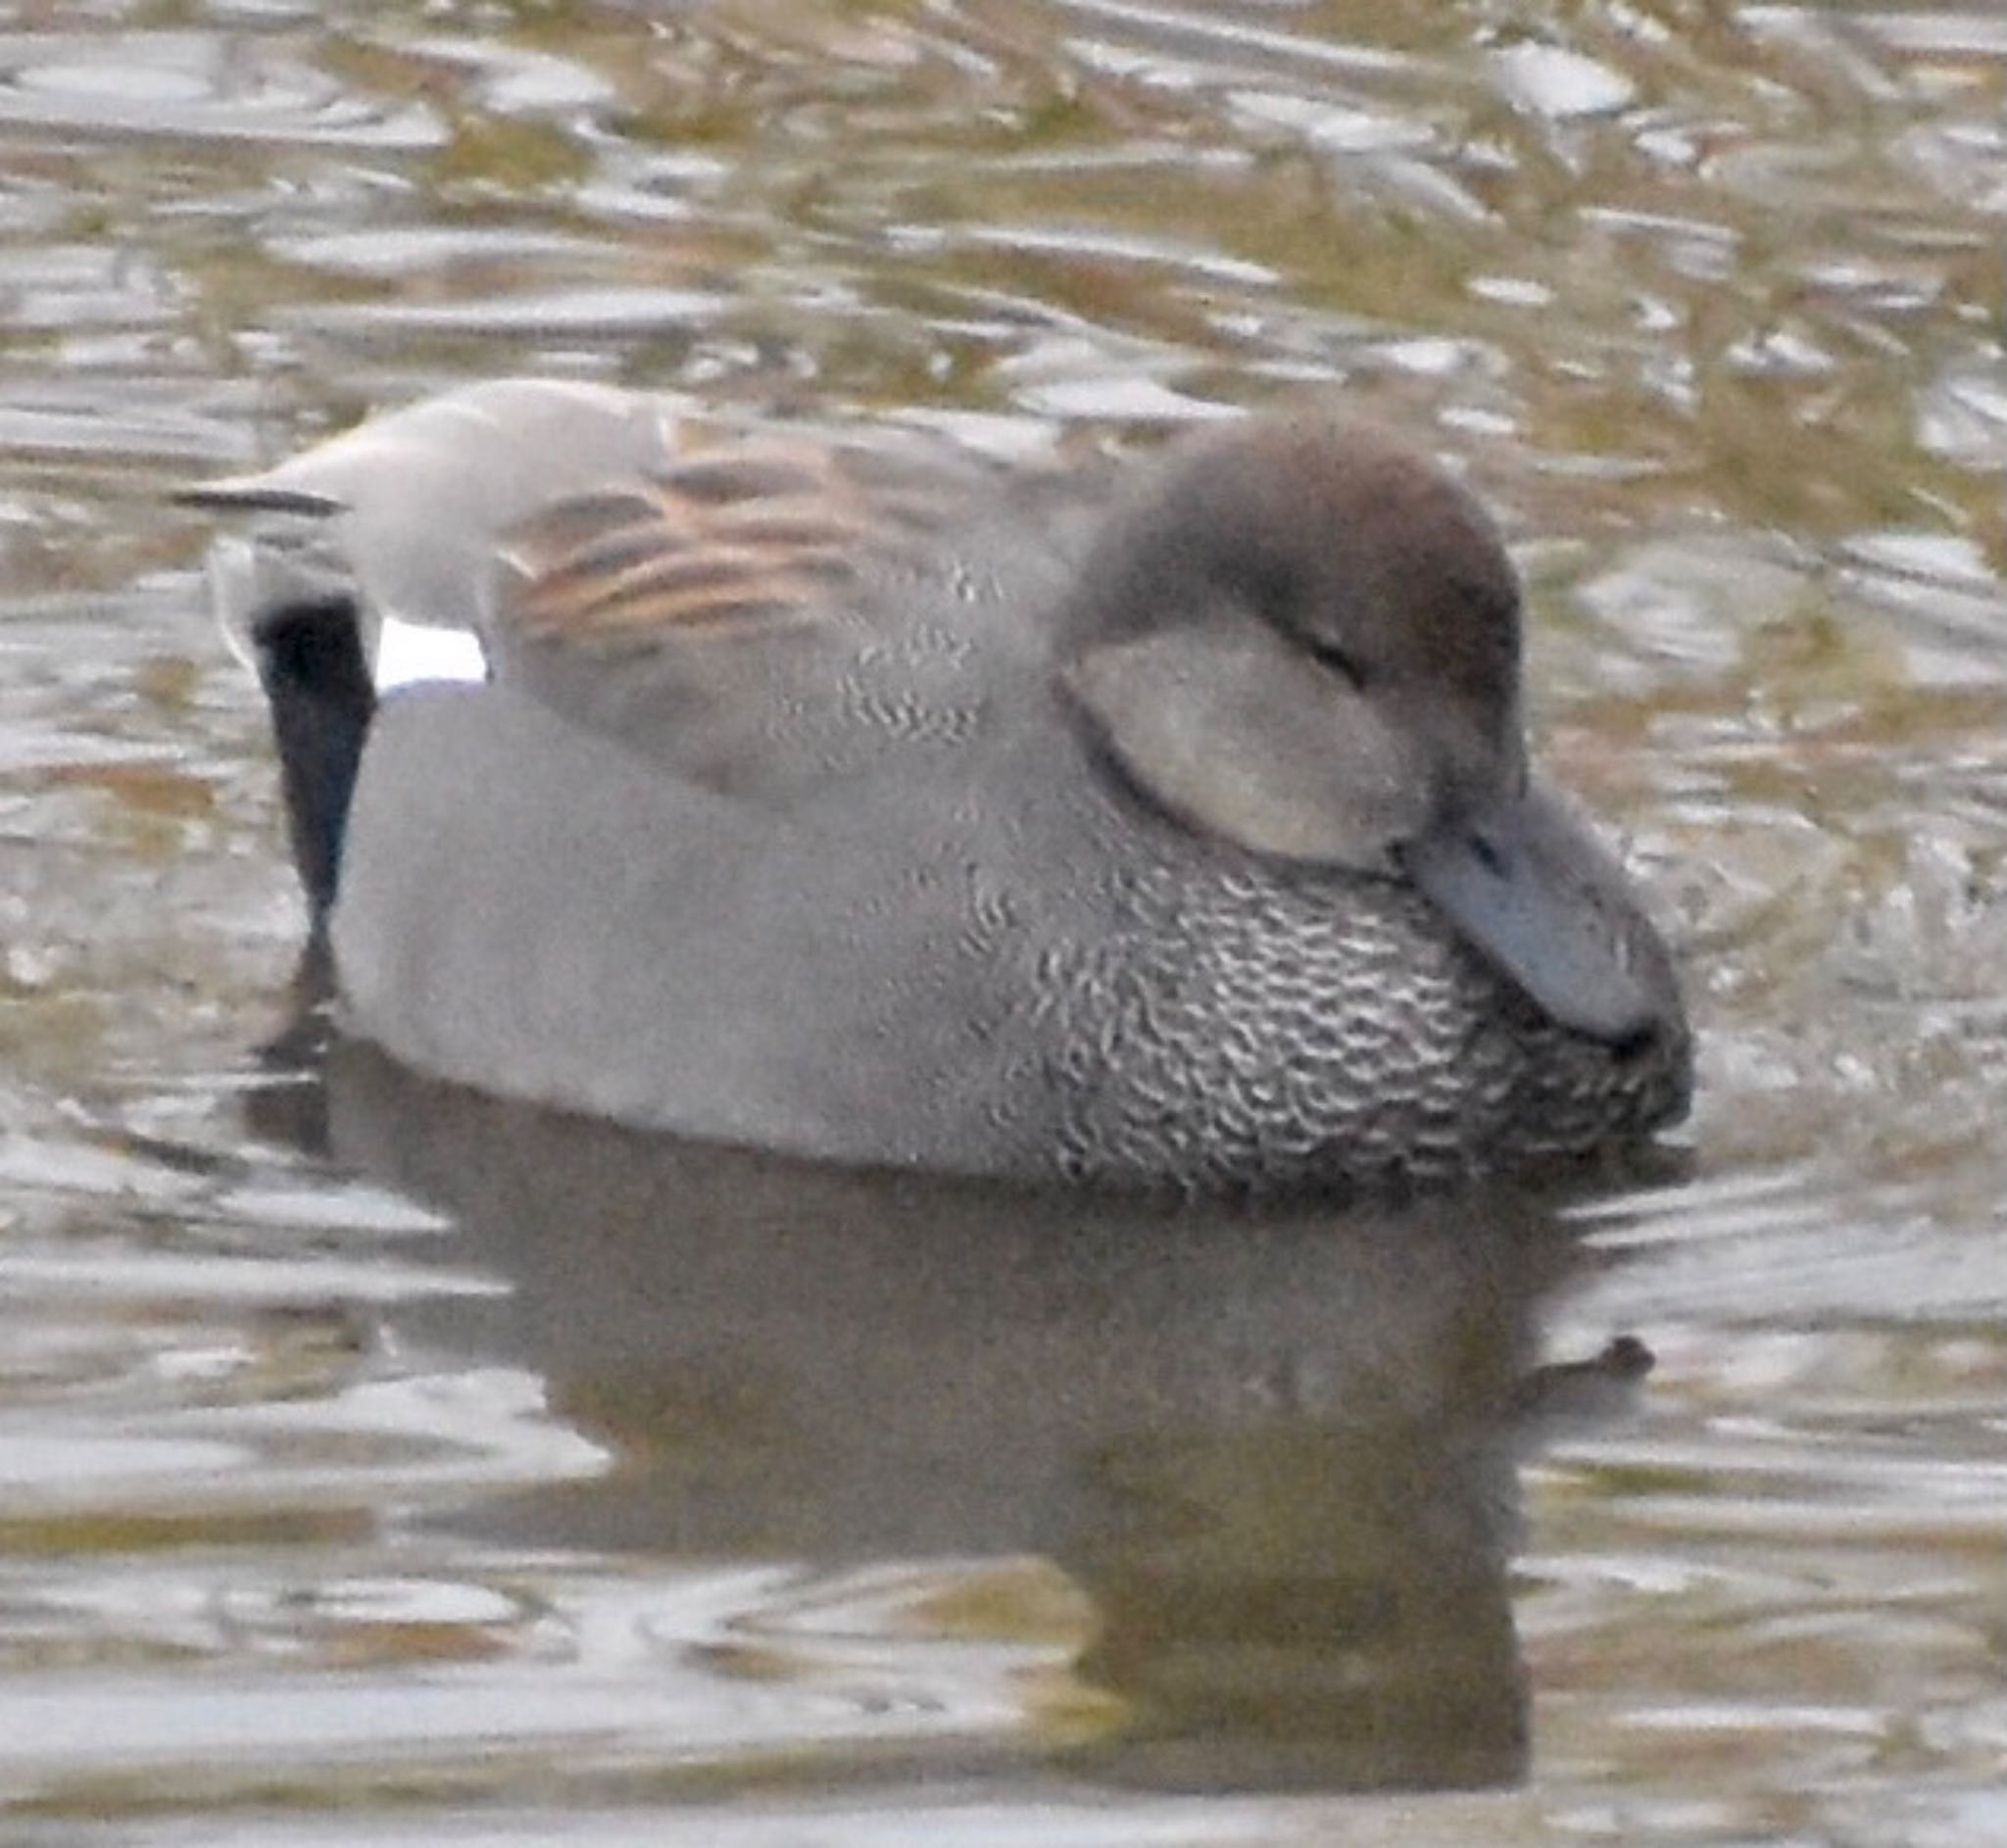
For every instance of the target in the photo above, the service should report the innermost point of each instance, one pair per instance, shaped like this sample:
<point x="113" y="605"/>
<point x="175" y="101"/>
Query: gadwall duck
<point x="843" y="794"/>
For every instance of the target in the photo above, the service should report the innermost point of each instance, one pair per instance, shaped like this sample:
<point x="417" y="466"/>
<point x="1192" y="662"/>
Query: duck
<point x="846" y="794"/>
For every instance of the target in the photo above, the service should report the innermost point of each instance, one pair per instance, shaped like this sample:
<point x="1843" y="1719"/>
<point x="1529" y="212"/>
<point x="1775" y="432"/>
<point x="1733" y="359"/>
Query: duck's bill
<point x="1530" y="888"/>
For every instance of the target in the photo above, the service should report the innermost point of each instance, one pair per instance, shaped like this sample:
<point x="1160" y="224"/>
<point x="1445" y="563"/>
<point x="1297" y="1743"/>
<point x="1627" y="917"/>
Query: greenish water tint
<point x="380" y="1466"/>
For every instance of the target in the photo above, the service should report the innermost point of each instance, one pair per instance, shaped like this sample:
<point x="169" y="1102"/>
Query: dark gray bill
<point x="1532" y="890"/>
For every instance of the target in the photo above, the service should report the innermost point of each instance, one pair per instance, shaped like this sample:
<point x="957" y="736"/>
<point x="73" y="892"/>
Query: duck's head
<point x="1302" y="639"/>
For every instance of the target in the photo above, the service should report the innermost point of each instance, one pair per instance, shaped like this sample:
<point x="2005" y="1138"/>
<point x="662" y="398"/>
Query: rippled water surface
<point x="376" y="1467"/>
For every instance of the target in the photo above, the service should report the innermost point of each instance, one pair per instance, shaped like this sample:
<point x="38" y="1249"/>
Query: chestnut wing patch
<point x="751" y="535"/>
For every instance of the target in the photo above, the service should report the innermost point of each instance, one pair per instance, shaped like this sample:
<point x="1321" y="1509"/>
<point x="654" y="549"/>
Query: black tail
<point x="310" y="663"/>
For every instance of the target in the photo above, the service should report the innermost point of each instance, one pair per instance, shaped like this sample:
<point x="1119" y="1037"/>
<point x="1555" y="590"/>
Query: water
<point x="377" y="1466"/>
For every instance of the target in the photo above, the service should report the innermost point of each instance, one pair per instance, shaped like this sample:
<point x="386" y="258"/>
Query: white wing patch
<point x="420" y="654"/>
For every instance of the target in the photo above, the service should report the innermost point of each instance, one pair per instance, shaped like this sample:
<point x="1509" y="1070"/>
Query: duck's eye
<point x="1334" y="660"/>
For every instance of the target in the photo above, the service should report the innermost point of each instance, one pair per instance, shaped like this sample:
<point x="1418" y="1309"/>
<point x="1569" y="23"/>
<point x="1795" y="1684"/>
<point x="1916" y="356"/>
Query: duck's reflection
<point x="1276" y="1450"/>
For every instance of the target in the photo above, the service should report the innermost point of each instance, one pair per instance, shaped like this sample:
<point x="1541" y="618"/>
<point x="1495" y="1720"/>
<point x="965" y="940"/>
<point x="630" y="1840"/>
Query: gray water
<point x="382" y="1466"/>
